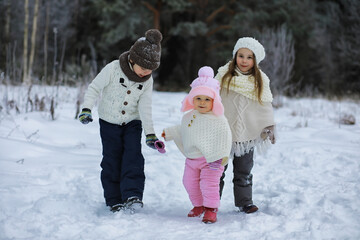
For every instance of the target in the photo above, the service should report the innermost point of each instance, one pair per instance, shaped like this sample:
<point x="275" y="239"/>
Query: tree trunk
<point x="7" y="22"/>
<point x="54" y="77"/>
<point x="7" y="40"/>
<point x="62" y="61"/>
<point x="15" y="77"/>
<point x="46" y="37"/>
<point x="25" y="50"/>
<point x="33" y="39"/>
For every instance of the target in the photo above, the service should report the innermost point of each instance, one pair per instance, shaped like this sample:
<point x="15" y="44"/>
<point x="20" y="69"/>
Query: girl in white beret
<point x="204" y="137"/>
<point x="247" y="98"/>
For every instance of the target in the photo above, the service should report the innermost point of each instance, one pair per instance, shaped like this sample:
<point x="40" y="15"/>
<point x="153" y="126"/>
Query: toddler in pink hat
<point x="204" y="137"/>
<point x="205" y="85"/>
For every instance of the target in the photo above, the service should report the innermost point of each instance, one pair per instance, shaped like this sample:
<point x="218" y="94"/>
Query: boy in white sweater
<point x="204" y="137"/>
<point x="125" y="86"/>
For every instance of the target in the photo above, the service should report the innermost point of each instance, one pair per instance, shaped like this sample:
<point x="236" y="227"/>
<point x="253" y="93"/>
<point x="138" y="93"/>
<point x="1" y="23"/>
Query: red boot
<point x="210" y="215"/>
<point x="196" y="212"/>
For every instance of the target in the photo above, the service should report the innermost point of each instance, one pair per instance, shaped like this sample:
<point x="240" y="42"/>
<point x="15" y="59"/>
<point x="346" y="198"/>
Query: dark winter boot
<point x="251" y="208"/>
<point x="117" y="207"/>
<point x="196" y="212"/>
<point x="133" y="204"/>
<point x="210" y="215"/>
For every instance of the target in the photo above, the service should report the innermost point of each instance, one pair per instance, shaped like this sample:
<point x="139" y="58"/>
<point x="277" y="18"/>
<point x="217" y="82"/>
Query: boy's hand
<point x="85" y="116"/>
<point x="153" y="142"/>
<point x="150" y="140"/>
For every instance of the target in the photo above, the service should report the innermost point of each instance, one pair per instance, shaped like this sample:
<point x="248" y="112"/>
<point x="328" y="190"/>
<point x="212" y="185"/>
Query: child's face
<point x="203" y="104"/>
<point x="140" y="71"/>
<point x="245" y="59"/>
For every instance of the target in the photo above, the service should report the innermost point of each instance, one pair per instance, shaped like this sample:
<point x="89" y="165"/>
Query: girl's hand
<point x="268" y="132"/>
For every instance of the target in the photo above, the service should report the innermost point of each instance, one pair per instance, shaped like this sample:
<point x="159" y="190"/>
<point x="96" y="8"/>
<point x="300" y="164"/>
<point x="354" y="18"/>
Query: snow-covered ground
<point x="307" y="186"/>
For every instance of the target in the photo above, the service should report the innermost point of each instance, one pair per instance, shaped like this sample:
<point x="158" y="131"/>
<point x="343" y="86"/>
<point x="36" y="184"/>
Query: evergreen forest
<point x="312" y="46"/>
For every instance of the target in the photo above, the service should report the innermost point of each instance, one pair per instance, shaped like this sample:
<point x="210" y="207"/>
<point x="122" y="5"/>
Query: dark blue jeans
<point x="122" y="174"/>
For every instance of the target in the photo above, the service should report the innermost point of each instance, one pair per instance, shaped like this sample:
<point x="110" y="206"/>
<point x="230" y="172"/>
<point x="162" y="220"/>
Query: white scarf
<point x="244" y="84"/>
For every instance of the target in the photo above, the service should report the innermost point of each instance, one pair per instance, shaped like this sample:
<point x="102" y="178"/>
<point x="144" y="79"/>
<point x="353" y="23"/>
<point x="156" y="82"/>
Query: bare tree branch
<point x="219" y="28"/>
<point x="215" y="13"/>
<point x="155" y="12"/>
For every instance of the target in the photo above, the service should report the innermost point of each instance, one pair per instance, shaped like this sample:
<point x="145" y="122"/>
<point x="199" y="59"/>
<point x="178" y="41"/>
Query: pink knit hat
<point x="206" y="85"/>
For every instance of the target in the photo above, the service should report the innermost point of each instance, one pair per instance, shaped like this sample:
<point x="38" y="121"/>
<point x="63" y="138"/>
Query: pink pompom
<point x="206" y="72"/>
<point x="206" y="85"/>
<point x="205" y="78"/>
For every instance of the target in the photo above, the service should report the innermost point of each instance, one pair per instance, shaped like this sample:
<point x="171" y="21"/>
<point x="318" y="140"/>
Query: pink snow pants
<point x="202" y="183"/>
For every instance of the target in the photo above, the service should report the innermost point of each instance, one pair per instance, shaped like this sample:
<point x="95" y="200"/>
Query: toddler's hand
<point x="150" y="140"/>
<point x="215" y="165"/>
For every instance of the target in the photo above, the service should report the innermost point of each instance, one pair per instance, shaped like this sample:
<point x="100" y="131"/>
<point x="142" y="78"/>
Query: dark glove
<point x="150" y="140"/>
<point x="268" y="132"/>
<point x="85" y="116"/>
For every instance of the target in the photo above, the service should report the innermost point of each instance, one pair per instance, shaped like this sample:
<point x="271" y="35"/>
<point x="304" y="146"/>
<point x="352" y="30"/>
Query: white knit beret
<point x="253" y="45"/>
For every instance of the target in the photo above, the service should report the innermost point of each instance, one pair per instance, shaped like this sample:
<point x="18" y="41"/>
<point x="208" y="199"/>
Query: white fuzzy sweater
<point x="202" y="135"/>
<point x="122" y="100"/>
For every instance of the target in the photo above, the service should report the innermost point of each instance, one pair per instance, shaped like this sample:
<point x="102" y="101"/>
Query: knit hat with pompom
<point x="146" y="51"/>
<point x="206" y="85"/>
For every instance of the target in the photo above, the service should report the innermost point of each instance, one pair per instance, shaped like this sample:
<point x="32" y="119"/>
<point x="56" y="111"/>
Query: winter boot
<point x="251" y="208"/>
<point x="117" y="207"/>
<point x="133" y="204"/>
<point x="210" y="215"/>
<point x="196" y="212"/>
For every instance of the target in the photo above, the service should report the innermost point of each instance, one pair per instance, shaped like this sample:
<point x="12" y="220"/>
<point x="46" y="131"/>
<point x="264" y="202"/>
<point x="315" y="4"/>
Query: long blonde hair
<point x="255" y="71"/>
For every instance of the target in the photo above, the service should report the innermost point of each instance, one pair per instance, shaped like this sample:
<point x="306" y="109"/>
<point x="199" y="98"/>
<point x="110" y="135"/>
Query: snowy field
<point x="307" y="186"/>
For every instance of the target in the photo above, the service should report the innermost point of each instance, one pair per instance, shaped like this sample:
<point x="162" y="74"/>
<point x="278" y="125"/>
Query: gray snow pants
<point x="242" y="179"/>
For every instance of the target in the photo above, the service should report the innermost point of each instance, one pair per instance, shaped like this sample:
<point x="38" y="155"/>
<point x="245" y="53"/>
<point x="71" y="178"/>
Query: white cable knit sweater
<point x="121" y="100"/>
<point x="246" y="116"/>
<point x="202" y="135"/>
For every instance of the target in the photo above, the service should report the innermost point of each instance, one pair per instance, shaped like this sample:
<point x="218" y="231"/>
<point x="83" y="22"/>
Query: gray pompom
<point x="154" y="36"/>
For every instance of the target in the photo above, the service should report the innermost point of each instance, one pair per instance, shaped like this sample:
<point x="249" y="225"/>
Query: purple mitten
<point x="160" y="146"/>
<point x="215" y="165"/>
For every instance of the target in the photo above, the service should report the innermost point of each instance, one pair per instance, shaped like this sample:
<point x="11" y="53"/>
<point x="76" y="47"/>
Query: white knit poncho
<point x="247" y="117"/>
<point x="202" y="135"/>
